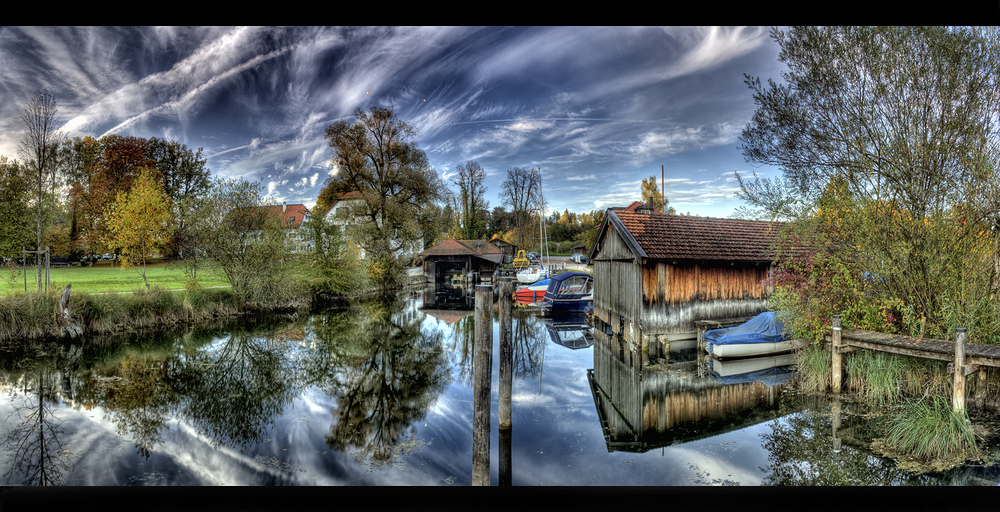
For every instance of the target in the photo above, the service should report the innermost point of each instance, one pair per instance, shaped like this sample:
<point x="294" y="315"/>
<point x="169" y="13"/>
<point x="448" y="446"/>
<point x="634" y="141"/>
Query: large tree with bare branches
<point x="38" y="149"/>
<point x="522" y="193"/>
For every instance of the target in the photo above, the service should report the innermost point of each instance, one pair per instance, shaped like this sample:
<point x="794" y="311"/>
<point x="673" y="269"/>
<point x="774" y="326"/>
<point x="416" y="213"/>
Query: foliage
<point x="812" y="369"/>
<point x="139" y="222"/>
<point x="887" y="142"/>
<point x="247" y="240"/>
<point x="15" y="222"/>
<point x="334" y="266"/>
<point x="376" y="157"/>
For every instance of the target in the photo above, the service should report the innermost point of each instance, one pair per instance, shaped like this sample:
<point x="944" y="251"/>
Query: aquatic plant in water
<point x="927" y="433"/>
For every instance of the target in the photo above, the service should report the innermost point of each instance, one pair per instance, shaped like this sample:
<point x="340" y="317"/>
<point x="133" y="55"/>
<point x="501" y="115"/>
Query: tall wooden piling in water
<point x="506" y="350"/>
<point x="836" y="361"/>
<point x="482" y="375"/>
<point x="960" y="370"/>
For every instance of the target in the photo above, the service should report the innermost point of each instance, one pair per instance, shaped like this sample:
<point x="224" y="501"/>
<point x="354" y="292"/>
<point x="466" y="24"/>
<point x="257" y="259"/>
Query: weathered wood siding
<point x="618" y="286"/>
<point x="675" y="295"/>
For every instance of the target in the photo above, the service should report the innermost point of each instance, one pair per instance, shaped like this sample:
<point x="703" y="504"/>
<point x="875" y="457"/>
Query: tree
<point x="139" y="222"/>
<point x="473" y="206"/>
<point x="905" y="119"/>
<point x="247" y="239"/>
<point x="185" y="180"/>
<point x="334" y="267"/>
<point x="15" y="212"/>
<point x="652" y="195"/>
<point x="376" y="156"/>
<point x="111" y="170"/>
<point x="38" y="148"/>
<point x="522" y="193"/>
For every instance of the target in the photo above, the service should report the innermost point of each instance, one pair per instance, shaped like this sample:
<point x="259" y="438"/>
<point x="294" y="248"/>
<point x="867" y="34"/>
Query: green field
<point x="106" y="278"/>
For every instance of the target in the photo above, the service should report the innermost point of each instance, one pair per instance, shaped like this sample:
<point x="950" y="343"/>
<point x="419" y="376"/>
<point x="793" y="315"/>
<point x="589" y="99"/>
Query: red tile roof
<point x="699" y="238"/>
<point x="292" y="216"/>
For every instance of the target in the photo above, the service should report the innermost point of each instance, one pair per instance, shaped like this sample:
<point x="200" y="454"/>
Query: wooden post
<point x="958" y="389"/>
<point x="506" y="351"/>
<point x="482" y="374"/>
<point x="836" y="361"/>
<point x="504" y="474"/>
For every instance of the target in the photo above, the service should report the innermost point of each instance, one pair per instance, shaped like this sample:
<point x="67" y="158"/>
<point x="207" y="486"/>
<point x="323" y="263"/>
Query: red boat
<point x="532" y="293"/>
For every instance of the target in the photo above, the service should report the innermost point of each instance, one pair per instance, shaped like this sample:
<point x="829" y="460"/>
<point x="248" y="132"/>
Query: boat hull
<point x="756" y="349"/>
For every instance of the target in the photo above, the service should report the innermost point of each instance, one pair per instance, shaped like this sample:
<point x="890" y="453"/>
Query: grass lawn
<point x="103" y="277"/>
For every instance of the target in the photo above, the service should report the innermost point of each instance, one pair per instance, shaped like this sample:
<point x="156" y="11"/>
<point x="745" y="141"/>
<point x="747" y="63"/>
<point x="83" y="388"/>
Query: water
<point x="381" y="394"/>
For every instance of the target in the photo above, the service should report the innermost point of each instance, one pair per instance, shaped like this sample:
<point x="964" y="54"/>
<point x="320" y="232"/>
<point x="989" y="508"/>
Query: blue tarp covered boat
<point x="762" y="334"/>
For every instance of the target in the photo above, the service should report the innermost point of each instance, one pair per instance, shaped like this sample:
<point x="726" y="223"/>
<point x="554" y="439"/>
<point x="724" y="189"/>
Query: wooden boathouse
<point x="461" y="259"/>
<point x="656" y="275"/>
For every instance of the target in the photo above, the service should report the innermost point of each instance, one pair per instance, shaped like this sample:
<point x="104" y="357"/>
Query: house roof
<point x="658" y="236"/>
<point x="354" y="194"/>
<point x="292" y="216"/>
<point x="477" y="248"/>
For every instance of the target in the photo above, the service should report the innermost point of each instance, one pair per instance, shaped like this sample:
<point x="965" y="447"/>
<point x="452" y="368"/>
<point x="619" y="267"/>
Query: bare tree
<point x="522" y="192"/>
<point x="472" y="199"/>
<point x="38" y="149"/>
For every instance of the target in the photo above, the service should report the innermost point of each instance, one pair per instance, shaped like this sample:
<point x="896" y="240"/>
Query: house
<point x="339" y="214"/>
<point x="290" y="216"/>
<point x="655" y="275"/>
<point x="460" y="258"/>
<point x="508" y="248"/>
<point x="580" y="249"/>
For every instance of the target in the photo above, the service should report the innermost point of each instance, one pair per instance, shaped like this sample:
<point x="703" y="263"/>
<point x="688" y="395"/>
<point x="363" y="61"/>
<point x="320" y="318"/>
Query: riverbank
<point x="32" y="317"/>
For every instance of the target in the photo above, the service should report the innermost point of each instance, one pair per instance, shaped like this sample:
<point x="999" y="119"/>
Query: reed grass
<point x="875" y="376"/>
<point x="813" y="369"/>
<point x="32" y="316"/>
<point x="929" y="429"/>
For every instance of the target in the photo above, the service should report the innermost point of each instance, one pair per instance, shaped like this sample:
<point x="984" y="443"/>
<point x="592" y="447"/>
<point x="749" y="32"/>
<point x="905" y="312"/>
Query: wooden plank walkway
<point x="965" y="357"/>
<point x="978" y="354"/>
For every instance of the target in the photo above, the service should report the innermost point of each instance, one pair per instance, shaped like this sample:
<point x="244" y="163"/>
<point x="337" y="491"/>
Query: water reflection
<point x="644" y="406"/>
<point x="393" y="375"/>
<point x="34" y="432"/>
<point x="379" y="393"/>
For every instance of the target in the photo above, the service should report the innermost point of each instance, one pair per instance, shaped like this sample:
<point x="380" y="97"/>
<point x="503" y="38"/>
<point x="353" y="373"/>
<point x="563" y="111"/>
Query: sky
<point x="597" y="109"/>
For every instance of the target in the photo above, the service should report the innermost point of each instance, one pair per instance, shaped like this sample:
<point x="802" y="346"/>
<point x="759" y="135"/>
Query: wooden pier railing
<point x="965" y="358"/>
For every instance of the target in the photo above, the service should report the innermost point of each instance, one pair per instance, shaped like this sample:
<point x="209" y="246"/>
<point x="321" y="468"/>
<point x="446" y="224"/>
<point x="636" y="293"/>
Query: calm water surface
<point x="380" y="393"/>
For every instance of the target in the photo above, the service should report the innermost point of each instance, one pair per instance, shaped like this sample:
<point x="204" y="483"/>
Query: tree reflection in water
<point x="32" y="438"/>
<point x="389" y="373"/>
<point x="235" y="389"/>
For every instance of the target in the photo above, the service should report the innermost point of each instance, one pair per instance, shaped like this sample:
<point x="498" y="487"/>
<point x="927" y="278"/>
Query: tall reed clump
<point x="812" y="369"/>
<point x="876" y="377"/>
<point x="27" y="315"/>
<point x="930" y="430"/>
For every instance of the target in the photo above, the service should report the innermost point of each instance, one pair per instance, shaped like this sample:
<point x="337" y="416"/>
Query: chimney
<point x="283" y="206"/>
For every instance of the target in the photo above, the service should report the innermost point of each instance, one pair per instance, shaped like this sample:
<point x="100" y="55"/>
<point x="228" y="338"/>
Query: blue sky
<point x="597" y="109"/>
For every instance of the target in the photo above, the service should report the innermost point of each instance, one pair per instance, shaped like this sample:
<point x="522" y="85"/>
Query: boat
<point x="768" y="370"/>
<point x="531" y="293"/>
<point x="571" y="331"/>
<point x="761" y="335"/>
<point x="532" y="274"/>
<point x="568" y="292"/>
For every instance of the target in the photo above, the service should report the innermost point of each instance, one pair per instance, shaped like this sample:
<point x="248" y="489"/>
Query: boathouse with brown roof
<point x="655" y="275"/>
<point x="460" y="258"/>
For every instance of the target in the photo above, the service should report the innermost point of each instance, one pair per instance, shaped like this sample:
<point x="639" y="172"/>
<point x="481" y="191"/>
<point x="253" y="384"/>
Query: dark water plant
<point x="929" y="430"/>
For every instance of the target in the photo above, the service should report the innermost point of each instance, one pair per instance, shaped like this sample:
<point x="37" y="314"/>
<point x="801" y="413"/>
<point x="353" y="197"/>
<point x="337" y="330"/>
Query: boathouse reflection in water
<point x="678" y="399"/>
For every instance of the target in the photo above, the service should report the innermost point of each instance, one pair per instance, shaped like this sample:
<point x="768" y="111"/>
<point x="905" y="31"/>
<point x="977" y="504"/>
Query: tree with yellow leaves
<point x="138" y="222"/>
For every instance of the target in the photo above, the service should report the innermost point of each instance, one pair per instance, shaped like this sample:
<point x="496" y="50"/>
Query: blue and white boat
<point x="761" y="335"/>
<point x="568" y="292"/>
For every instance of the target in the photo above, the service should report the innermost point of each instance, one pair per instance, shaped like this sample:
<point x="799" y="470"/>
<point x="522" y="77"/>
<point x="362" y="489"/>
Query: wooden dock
<point x="964" y="358"/>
